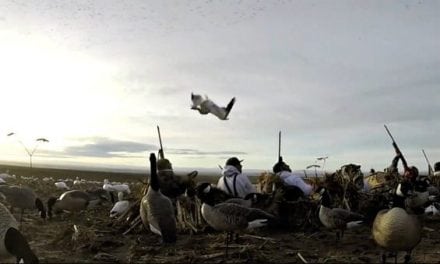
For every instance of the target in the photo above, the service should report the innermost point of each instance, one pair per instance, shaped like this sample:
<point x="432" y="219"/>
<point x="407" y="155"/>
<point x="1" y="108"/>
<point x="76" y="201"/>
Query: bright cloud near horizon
<point x="96" y="77"/>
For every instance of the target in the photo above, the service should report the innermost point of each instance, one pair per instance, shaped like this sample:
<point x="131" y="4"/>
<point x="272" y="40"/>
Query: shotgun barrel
<point x="396" y="148"/>
<point x="430" y="170"/>
<point x="161" y="153"/>
<point x="279" y="147"/>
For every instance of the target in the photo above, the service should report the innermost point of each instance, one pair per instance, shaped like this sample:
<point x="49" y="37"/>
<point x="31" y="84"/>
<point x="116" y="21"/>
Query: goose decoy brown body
<point x="72" y="201"/>
<point x="22" y="198"/>
<point x="12" y="242"/>
<point x="230" y="217"/>
<point x="396" y="229"/>
<point x="336" y="218"/>
<point x="156" y="210"/>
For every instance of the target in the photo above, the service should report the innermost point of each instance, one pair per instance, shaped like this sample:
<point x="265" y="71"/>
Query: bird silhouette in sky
<point x="206" y="106"/>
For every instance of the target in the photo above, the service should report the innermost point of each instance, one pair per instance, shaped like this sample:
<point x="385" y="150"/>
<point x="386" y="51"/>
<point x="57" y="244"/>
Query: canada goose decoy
<point x="120" y="207"/>
<point x="72" y="201"/>
<point x="12" y="242"/>
<point x="156" y="210"/>
<point x="230" y="217"/>
<point x="97" y="197"/>
<point x="248" y="201"/>
<point x="336" y="218"/>
<point x="23" y="198"/>
<point x="397" y="230"/>
<point x="206" y="106"/>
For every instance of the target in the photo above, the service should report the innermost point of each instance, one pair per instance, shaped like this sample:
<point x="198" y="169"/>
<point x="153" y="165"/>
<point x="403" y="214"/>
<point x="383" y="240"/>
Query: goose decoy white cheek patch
<point x="399" y="190"/>
<point x="207" y="189"/>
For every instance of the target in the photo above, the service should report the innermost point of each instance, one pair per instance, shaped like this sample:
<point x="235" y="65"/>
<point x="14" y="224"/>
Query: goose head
<point x="51" y="205"/>
<point x="40" y="206"/>
<point x="17" y="245"/>
<point x="196" y="100"/>
<point x="204" y="193"/>
<point x="324" y="197"/>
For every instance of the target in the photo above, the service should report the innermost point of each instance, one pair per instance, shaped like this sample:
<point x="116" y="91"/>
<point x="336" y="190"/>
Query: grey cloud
<point x="198" y="152"/>
<point x="104" y="147"/>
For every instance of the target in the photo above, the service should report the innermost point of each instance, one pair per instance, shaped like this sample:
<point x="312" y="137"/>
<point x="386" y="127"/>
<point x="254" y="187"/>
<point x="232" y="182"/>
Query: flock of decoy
<point x="393" y="227"/>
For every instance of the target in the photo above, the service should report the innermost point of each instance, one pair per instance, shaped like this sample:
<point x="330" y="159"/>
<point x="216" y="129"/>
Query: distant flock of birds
<point x="397" y="228"/>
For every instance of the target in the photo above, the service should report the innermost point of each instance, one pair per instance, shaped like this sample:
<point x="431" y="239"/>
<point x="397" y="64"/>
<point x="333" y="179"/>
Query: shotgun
<point x="280" y="159"/>
<point x="430" y="170"/>
<point x="279" y="147"/>
<point x="161" y="153"/>
<point x="396" y="148"/>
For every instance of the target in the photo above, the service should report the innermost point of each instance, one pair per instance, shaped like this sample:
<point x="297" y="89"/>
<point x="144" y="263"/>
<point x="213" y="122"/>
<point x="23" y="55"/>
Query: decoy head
<point x="324" y="196"/>
<point x="40" y="206"/>
<point x="17" y="245"/>
<point x="203" y="192"/>
<point x="203" y="188"/>
<point x="50" y="204"/>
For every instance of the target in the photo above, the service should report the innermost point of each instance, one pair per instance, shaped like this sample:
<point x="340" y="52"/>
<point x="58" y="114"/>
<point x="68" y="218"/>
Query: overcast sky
<point x="96" y="77"/>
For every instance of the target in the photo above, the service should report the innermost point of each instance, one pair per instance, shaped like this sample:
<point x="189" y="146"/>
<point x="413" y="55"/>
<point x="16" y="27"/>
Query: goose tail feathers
<point x="229" y="107"/>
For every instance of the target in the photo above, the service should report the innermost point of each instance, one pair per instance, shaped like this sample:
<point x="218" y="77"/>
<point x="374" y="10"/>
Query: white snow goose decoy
<point x="12" y="242"/>
<point x="62" y="185"/>
<point x="206" y="106"/>
<point x="120" y="207"/>
<point x="156" y="210"/>
<point x="115" y="187"/>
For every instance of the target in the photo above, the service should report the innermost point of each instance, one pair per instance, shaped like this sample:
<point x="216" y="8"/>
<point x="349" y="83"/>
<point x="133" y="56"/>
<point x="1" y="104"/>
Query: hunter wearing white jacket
<point x="285" y="173"/>
<point x="233" y="181"/>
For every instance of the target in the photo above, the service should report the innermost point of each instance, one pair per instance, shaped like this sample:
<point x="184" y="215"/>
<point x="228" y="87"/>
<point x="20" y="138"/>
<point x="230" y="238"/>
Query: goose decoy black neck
<point x="204" y="193"/>
<point x="40" y="206"/>
<point x="50" y="203"/>
<point x="154" y="179"/>
<point x="325" y="198"/>
<point x="16" y="245"/>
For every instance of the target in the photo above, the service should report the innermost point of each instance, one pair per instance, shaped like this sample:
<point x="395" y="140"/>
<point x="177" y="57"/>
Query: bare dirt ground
<point x="101" y="241"/>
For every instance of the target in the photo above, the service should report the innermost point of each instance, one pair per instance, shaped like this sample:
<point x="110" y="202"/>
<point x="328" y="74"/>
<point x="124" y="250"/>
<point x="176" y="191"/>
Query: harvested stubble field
<point x="101" y="241"/>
